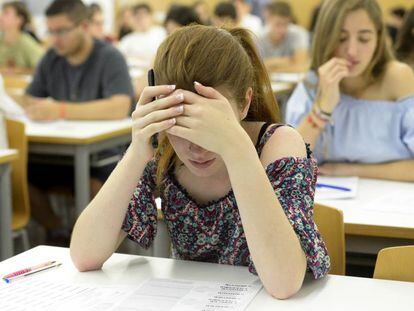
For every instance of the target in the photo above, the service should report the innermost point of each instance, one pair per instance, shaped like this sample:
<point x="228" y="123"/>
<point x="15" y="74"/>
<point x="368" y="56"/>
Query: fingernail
<point x="172" y="121"/>
<point x="171" y="87"/>
<point x="197" y="83"/>
<point x="179" y="108"/>
<point x="179" y="96"/>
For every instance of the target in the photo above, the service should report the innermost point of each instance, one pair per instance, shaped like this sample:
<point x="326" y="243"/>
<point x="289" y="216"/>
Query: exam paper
<point x="34" y="293"/>
<point x="187" y="295"/>
<point x="152" y="295"/>
<point x="332" y="194"/>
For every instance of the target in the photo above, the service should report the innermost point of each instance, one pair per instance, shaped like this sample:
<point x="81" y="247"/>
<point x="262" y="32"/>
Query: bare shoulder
<point x="285" y="142"/>
<point x="399" y="80"/>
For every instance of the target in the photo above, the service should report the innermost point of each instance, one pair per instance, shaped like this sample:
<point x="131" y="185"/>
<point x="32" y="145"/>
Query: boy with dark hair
<point x="78" y="78"/>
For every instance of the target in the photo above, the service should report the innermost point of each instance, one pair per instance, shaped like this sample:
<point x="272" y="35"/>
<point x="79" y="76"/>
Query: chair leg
<point x="25" y="239"/>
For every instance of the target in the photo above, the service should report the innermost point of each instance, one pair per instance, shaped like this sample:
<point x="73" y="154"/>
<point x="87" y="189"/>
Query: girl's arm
<point x="273" y="244"/>
<point x="398" y="170"/>
<point x="97" y="232"/>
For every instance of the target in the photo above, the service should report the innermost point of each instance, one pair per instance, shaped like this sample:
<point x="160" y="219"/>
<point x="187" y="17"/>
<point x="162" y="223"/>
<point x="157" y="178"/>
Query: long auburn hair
<point x="328" y="28"/>
<point x="214" y="57"/>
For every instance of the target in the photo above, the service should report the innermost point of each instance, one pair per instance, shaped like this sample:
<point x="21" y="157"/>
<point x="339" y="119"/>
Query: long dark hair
<point x="405" y="40"/>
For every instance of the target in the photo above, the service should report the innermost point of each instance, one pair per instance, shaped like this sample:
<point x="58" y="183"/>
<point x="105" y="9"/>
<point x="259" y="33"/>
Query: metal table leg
<point x="82" y="178"/>
<point x="6" y="235"/>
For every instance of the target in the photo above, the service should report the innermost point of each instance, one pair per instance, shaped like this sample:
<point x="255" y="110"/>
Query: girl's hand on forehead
<point x="208" y="120"/>
<point x="152" y="116"/>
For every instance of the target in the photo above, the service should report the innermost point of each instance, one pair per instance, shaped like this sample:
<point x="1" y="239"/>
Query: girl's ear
<point x="248" y="100"/>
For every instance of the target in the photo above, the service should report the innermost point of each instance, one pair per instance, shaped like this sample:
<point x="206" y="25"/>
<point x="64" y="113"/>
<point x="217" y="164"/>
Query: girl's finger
<point x="159" y="104"/>
<point x="180" y="131"/>
<point x="207" y="91"/>
<point x="150" y="92"/>
<point x="158" y="127"/>
<point x="159" y="115"/>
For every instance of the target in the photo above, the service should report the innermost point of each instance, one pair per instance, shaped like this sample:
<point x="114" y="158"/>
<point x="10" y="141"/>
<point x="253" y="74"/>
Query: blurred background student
<point x="125" y="22"/>
<point x="78" y="78"/>
<point x="284" y="45"/>
<point x="225" y="15"/>
<point x="179" y="16"/>
<point x="19" y="50"/>
<point x="143" y="42"/>
<point x="356" y="107"/>
<point x="96" y="23"/>
<point x="405" y="41"/>
<point x="245" y="17"/>
<point x="202" y="9"/>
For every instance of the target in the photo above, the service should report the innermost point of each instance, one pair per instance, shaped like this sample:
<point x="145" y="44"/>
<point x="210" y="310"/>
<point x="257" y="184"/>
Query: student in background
<point x="96" y="23"/>
<point x="225" y="15"/>
<point x="78" y="78"/>
<point x="247" y="203"/>
<point x="394" y="22"/>
<point x="203" y="11"/>
<point x="405" y="40"/>
<point x="179" y="16"/>
<point x="356" y="107"/>
<point x="284" y="46"/>
<point x="125" y="22"/>
<point x="19" y="51"/>
<point x="246" y="19"/>
<point x="143" y="43"/>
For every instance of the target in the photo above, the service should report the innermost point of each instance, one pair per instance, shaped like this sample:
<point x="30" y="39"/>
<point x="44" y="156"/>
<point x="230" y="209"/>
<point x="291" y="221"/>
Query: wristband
<point x="62" y="110"/>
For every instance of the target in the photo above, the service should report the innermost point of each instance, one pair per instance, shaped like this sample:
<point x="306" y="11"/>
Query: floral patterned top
<point x="214" y="232"/>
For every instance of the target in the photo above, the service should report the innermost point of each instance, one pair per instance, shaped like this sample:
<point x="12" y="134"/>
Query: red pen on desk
<point x="15" y="274"/>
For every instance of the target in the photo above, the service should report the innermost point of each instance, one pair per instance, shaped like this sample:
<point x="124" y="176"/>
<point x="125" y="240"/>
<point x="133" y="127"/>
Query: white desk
<point x="79" y="139"/>
<point x="330" y="293"/>
<point x="372" y="214"/>
<point x="6" y="236"/>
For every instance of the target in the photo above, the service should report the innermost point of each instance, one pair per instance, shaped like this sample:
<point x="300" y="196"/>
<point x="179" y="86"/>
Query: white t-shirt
<point x="253" y="23"/>
<point x="142" y="45"/>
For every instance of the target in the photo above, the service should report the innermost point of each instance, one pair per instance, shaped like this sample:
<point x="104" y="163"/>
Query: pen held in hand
<point x="319" y="185"/>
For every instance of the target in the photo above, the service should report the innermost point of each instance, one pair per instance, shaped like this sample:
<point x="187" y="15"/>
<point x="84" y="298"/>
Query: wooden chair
<point x="395" y="263"/>
<point x="20" y="192"/>
<point x="330" y="222"/>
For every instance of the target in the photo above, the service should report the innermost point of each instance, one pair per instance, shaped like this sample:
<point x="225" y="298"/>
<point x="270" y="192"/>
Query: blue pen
<point x="318" y="185"/>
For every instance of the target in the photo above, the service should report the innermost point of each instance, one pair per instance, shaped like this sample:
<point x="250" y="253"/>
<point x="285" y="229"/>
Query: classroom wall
<point x="302" y="8"/>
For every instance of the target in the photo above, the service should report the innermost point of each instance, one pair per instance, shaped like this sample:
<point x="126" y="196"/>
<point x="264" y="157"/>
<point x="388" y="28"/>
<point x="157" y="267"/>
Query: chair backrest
<point x="395" y="263"/>
<point x="330" y="222"/>
<point x="21" y="206"/>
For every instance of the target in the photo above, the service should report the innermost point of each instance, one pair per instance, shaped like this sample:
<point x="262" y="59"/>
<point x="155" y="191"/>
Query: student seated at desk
<point x="146" y="38"/>
<point x="225" y="14"/>
<point x="237" y="188"/>
<point x="78" y="78"/>
<point x="356" y="107"/>
<point x="19" y="51"/>
<point x="284" y="46"/>
<point x="180" y="16"/>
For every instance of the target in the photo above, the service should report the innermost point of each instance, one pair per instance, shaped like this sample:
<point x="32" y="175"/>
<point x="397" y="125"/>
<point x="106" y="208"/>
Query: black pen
<point x="151" y="82"/>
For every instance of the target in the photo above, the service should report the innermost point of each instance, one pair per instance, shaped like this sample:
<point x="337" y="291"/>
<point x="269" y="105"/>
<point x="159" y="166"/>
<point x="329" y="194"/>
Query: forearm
<point x="311" y="128"/>
<point x="116" y="107"/>
<point x="398" y="171"/>
<point x="273" y="244"/>
<point x="97" y="230"/>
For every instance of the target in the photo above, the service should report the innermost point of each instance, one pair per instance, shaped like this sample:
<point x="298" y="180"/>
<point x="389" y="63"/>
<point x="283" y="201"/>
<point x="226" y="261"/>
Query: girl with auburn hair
<point x="236" y="187"/>
<point x="356" y="105"/>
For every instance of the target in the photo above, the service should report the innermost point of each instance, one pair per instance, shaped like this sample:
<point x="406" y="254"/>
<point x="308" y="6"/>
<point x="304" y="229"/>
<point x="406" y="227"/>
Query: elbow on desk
<point x="284" y="292"/>
<point x="84" y="264"/>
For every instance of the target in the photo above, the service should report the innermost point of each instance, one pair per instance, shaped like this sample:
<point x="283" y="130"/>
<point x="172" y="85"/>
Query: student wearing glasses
<point x="79" y="78"/>
<point x="356" y="106"/>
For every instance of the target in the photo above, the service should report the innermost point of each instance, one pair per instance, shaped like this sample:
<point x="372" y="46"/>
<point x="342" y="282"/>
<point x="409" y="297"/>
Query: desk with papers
<point x="129" y="282"/>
